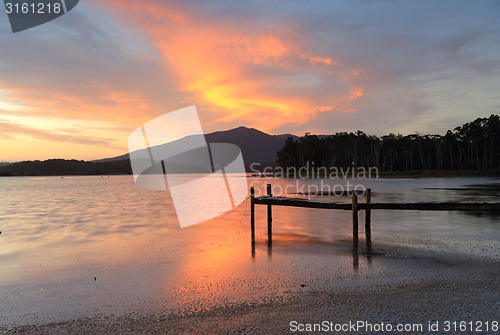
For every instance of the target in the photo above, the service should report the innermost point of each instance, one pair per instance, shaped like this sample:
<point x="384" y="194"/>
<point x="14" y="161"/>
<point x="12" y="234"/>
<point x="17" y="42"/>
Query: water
<point x="79" y="246"/>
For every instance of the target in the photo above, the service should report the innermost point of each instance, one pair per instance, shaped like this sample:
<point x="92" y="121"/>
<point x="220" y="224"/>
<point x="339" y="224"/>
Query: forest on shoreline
<point x="65" y="167"/>
<point x="474" y="146"/>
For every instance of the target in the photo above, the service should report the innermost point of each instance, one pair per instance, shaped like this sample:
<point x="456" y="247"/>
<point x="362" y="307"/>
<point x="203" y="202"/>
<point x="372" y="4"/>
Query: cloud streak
<point x="11" y="130"/>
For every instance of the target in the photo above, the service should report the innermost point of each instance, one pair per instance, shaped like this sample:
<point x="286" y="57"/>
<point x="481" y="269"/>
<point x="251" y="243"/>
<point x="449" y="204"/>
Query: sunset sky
<point x="76" y="87"/>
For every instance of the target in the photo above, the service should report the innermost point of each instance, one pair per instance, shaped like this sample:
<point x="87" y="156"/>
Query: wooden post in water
<point x="355" y="218"/>
<point x="252" y="212"/>
<point x="269" y="218"/>
<point x="368" y="218"/>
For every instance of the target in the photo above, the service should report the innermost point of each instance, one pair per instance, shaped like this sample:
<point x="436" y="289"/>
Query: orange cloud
<point x="224" y="68"/>
<point x="103" y="104"/>
<point x="356" y="93"/>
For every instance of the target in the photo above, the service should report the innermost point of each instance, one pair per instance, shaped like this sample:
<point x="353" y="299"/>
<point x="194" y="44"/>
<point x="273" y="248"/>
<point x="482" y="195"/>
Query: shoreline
<point x="444" y="287"/>
<point x="379" y="174"/>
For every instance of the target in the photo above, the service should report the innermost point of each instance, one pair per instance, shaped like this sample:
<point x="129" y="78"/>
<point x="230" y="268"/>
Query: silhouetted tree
<point x="474" y="146"/>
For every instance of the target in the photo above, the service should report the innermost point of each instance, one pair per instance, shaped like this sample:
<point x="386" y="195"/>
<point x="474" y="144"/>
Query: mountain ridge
<point x="256" y="146"/>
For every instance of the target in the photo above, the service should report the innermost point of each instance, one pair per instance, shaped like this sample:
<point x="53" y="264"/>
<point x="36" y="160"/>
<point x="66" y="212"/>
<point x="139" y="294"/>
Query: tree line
<point x="472" y="146"/>
<point x="56" y="167"/>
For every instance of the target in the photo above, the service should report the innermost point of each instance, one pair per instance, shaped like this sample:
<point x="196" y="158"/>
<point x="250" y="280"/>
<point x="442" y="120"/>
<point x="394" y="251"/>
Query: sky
<point x="78" y="86"/>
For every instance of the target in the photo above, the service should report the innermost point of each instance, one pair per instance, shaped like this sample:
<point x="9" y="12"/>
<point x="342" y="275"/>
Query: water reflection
<point x="58" y="234"/>
<point x="355" y="255"/>
<point x="442" y="225"/>
<point x="288" y="241"/>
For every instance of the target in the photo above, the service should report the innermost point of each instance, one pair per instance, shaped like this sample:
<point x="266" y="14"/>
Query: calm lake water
<point x="80" y="246"/>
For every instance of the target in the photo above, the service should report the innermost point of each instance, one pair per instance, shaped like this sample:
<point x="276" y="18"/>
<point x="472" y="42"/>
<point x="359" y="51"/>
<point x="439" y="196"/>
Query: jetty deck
<point x="422" y="206"/>
<point x="269" y="200"/>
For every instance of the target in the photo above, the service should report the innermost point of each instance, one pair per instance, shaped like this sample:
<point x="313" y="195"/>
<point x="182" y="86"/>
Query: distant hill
<point x="64" y="167"/>
<point x="256" y="146"/>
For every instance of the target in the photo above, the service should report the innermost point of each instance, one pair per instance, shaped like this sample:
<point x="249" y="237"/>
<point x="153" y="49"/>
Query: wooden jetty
<point x="269" y="200"/>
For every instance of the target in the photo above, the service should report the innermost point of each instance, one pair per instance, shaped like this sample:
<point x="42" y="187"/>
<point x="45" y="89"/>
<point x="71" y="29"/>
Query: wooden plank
<point x="263" y="196"/>
<point x="299" y="202"/>
<point x="430" y="206"/>
<point x="435" y="206"/>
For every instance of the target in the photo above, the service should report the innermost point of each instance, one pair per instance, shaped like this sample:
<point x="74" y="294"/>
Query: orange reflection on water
<point x="213" y="266"/>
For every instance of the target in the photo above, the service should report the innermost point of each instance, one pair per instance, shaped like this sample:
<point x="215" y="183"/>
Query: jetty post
<point x="269" y="218"/>
<point x="355" y="218"/>
<point x="368" y="218"/>
<point x="252" y="212"/>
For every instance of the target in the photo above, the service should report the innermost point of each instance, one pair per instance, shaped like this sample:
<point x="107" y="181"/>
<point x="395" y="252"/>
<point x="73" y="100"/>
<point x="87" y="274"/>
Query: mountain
<point x="256" y="146"/>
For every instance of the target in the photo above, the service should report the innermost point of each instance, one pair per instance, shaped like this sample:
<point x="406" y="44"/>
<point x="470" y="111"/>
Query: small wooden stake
<point x="355" y="218"/>
<point x="269" y="218"/>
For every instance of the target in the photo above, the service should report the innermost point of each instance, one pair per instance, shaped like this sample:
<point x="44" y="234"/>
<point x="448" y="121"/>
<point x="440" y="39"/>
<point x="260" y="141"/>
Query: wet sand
<point x="429" y="287"/>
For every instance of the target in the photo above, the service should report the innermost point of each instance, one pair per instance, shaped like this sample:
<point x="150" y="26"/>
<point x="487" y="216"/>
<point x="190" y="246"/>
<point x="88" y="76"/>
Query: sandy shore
<point x="456" y="290"/>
